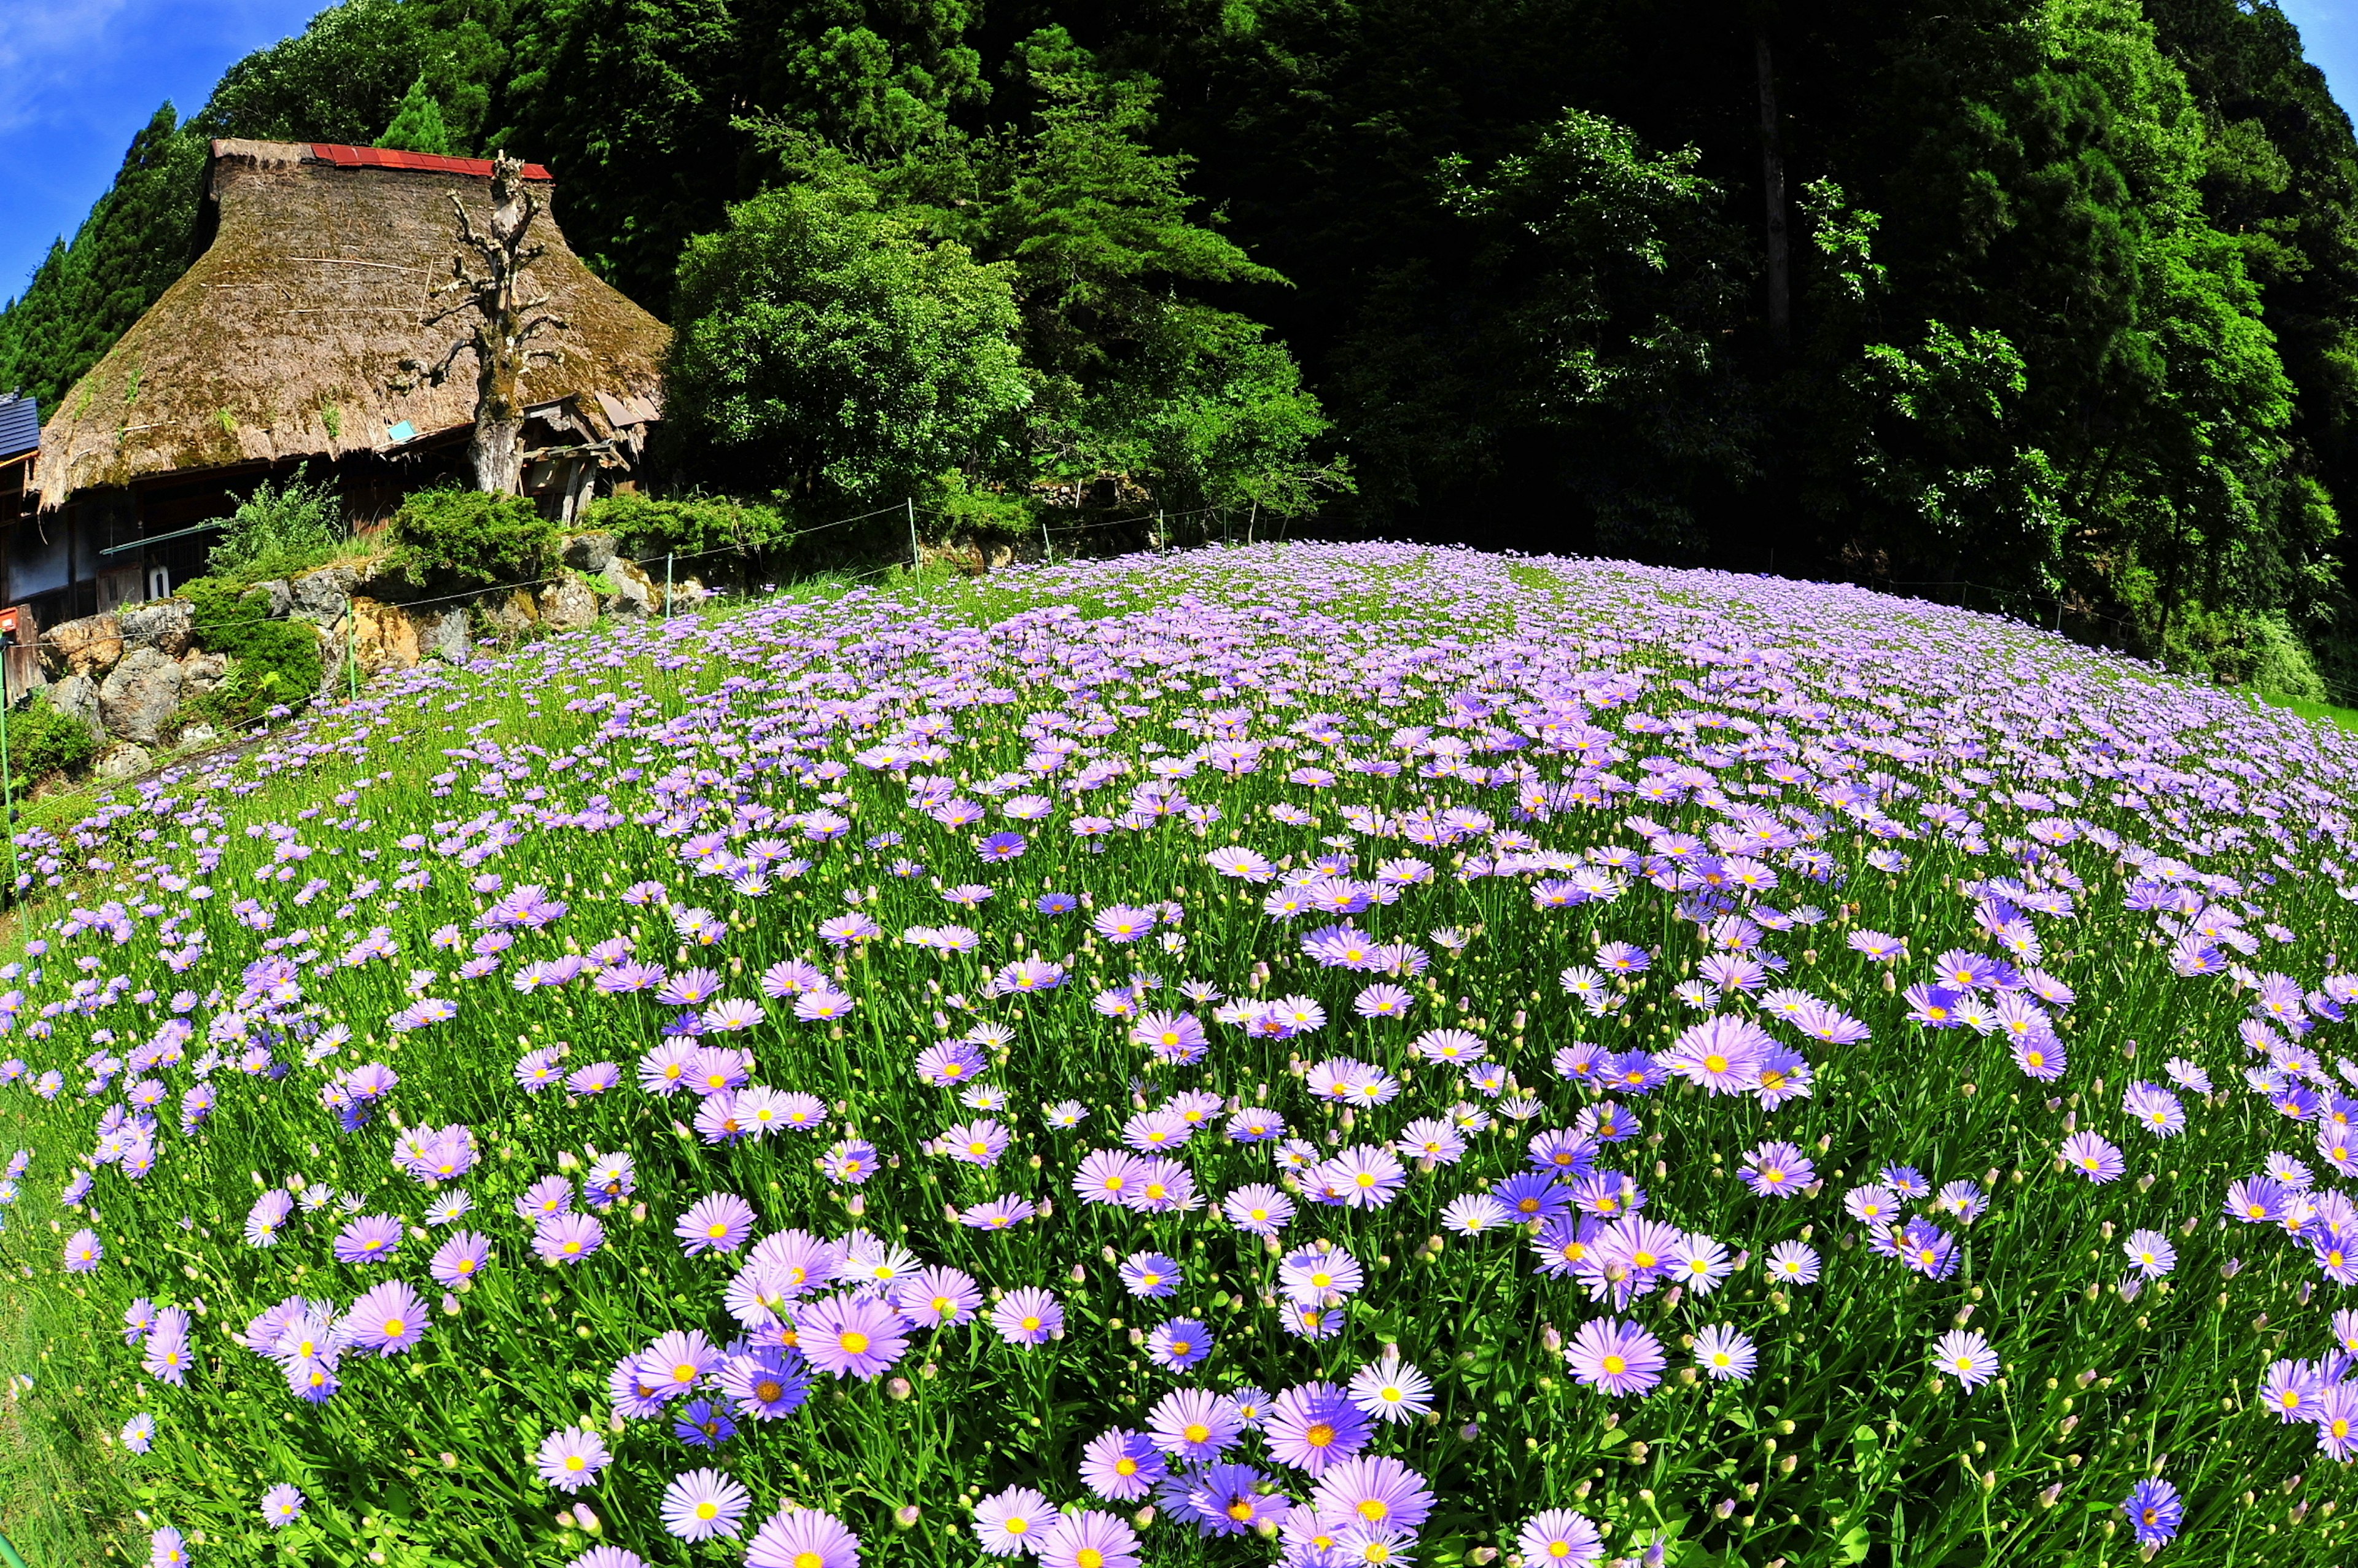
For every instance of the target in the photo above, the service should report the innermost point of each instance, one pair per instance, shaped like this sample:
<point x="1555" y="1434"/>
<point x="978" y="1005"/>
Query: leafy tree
<point x="138" y="238"/>
<point x="1145" y="390"/>
<point x="417" y="125"/>
<point x="834" y="351"/>
<point x="338" y="79"/>
<point x="1598" y="268"/>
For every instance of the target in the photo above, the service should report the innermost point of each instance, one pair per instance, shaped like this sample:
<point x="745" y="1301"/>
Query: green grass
<point x="63" y="1497"/>
<point x="2316" y="712"/>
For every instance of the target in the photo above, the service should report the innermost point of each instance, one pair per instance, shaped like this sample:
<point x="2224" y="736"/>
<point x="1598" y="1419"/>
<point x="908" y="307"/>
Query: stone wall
<point x="131" y="674"/>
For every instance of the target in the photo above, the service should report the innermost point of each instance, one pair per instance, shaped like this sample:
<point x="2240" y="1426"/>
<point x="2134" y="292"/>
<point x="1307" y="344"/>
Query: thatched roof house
<point x="282" y="344"/>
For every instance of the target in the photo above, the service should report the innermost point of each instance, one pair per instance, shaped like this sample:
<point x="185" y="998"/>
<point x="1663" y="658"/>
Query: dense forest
<point x="2049" y="305"/>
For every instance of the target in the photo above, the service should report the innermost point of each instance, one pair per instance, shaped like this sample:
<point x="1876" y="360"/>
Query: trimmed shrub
<point x="697" y="525"/>
<point x="466" y="538"/>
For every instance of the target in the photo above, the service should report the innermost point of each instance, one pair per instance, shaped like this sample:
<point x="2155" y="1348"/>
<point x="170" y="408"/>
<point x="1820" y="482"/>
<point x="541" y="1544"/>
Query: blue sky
<point x="77" y="77"/>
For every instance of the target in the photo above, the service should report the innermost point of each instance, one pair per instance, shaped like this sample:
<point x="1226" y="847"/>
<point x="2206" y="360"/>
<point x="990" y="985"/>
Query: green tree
<point x="835" y="351"/>
<point x="417" y="125"/>
<point x="138" y="238"/>
<point x="1602" y="268"/>
<point x="339" y="80"/>
<point x="1146" y="390"/>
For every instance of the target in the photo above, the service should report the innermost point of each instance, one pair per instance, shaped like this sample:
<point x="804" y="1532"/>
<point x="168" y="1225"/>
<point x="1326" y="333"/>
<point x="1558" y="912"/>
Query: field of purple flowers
<point x="1318" y="1055"/>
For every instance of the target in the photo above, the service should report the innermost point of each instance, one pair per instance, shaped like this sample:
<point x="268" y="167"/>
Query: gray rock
<point x="634" y="592"/>
<point x="88" y="646"/>
<point x="512" y="614"/>
<point x="138" y="699"/>
<point x="443" y="634"/>
<point x="589" y="552"/>
<point x="123" y="760"/>
<point x="567" y="605"/>
<point x="200" y="671"/>
<point x="162" y="624"/>
<point x="278" y="595"/>
<point x="322" y="596"/>
<point x="76" y="696"/>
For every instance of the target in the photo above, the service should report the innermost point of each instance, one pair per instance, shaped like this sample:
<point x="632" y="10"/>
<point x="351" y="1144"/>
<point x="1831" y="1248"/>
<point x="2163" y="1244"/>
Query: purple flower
<point x="936" y="1298"/>
<point x="950" y="1062"/>
<point x="371" y="1238"/>
<point x="568" y="1239"/>
<point x="1179" y="1343"/>
<point x="720" y="1222"/>
<point x="1374" y="1492"/>
<point x="703" y="1504"/>
<point x="1013" y="1522"/>
<point x="1090" y="1540"/>
<point x="850" y="1336"/>
<point x="703" y="1423"/>
<point x="1313" y="1426"/>
<point x="2094" y="1157"/>
<point x="1560" y="1536"/>
<point x="1965" y="1355"/>
<point x="282" y="1505"/>
<point x="139" y="1433"/>
<point x="1777" y="1171"/>
<point x="1721" y="1054"/>
<point x="2155" y="1511"/>
<point x="1002" y="847"/>
<point x="461" y="1258"/>
<point x="1194" y="1425"/>
<point x="1724" y="1354"/>
<point x="767" y="1382"/>
<point x="387" y="1320"/>
<point x="803" y="1538"/>
<point x="1150" y="1274"/>
<point x="1028" y="1316"/>
<point x="83" y="1252"/>
<point x="1123" y="1465"/>
<point x="571" y="1458"/>
<point x="1615" y="1356"/>
<point x="1000" y="1213"/>
<point x="850" y="1162"/>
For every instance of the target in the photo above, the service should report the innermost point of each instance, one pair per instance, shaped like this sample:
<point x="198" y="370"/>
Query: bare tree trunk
<point x="1772" y="179"/>
<point x="496" y="452"/>
<point x="503" y="327"/>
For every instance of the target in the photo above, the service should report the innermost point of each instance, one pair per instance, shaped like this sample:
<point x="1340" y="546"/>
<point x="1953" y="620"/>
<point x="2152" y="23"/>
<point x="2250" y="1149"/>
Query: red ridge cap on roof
<point x="427" y="163"/>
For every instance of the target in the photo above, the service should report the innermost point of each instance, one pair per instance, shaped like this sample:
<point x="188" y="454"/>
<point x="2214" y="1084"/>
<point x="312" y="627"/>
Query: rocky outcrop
<point x="589" y="553"/>
<point x="86" y="648"/>
<point x="161" y="624"/>
<point x="124" y="760"/>
<point x="77" y="697"/>
<point x="567" y="605"/>
<point x="130" y="676"/>
<point x="632" y="591"/>
<point x="322" y="597"/>
<point x="139" y="696"/>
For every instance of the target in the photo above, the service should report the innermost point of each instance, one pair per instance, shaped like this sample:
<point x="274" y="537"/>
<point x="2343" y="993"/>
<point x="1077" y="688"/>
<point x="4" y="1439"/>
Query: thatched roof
<point x="284" y="338"/>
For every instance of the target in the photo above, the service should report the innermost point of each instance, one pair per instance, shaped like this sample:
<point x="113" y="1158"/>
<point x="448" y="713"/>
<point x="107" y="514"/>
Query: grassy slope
<point x="58" y="1505"/>
<point x="60" y="1501"/>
